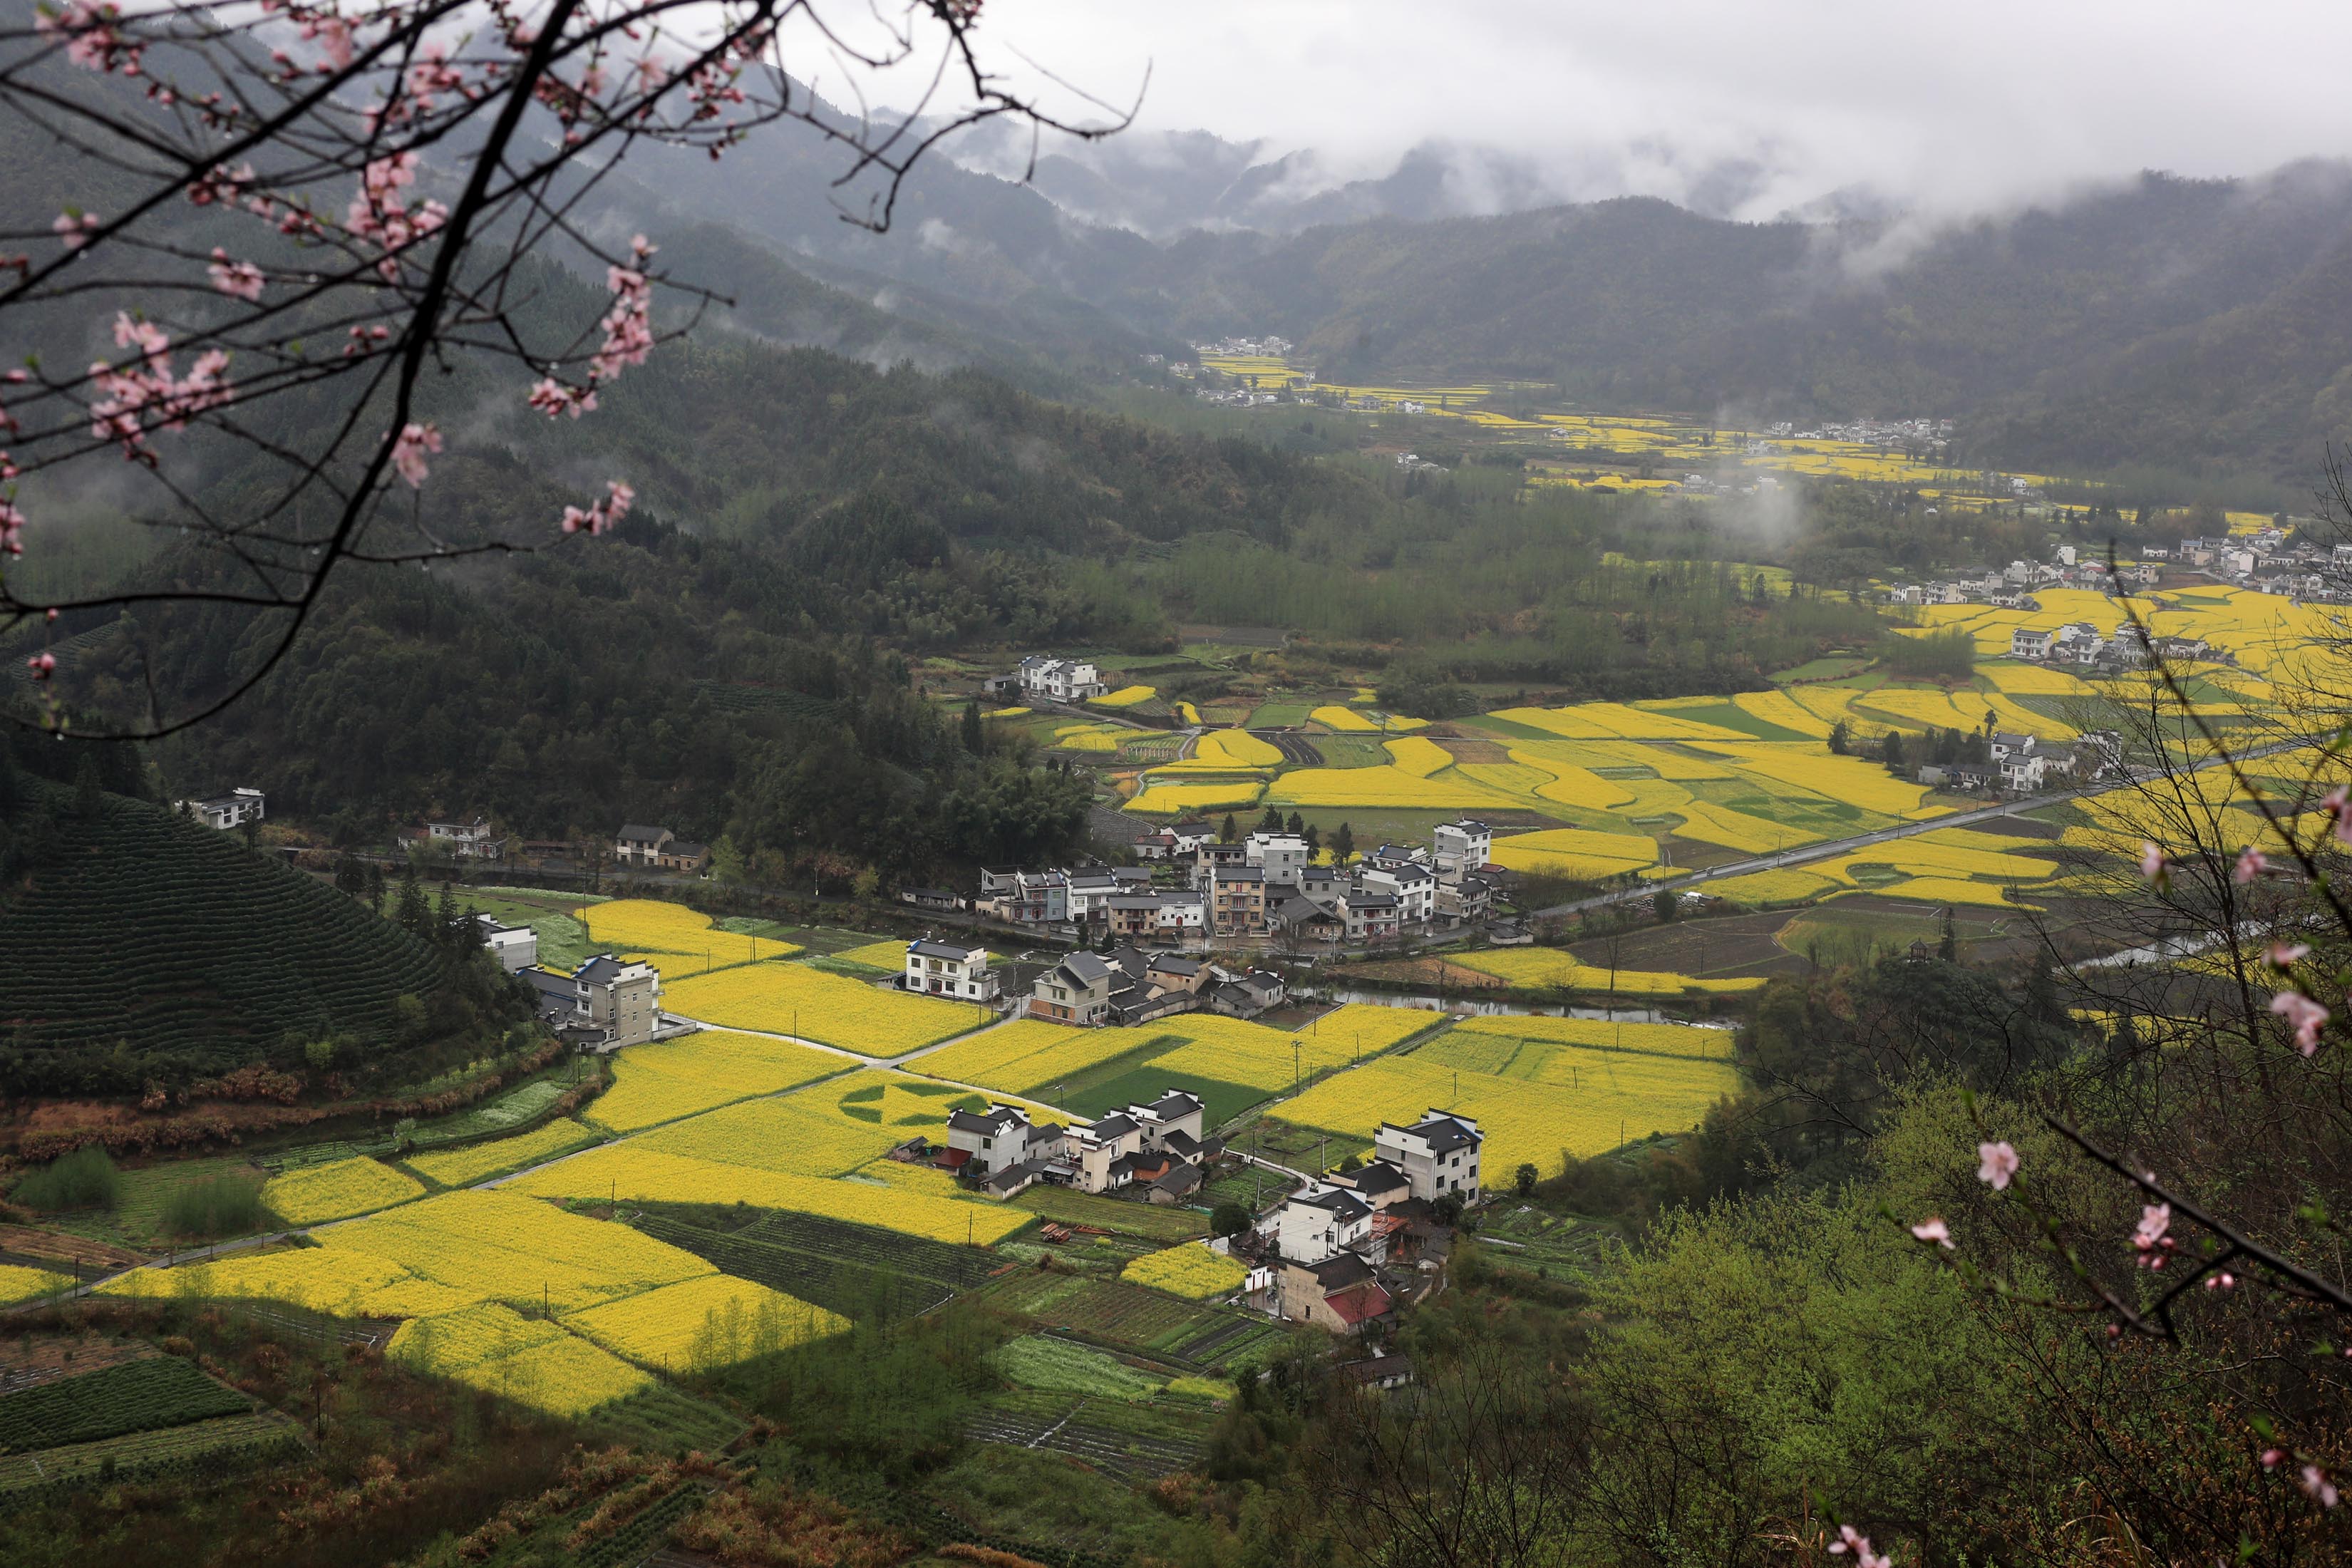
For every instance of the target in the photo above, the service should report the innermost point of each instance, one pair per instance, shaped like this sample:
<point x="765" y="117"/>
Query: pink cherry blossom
<point x="2334" y="804"/>
<point x="74" y="229"/>
<point x="1934" y="1230"/>
<point x="43" y="665"/>
<point x="2272" y="1458"/>
<point x="2250" y="865"/>
<point x="2307" y="1017"/>
<point x="2286" y="954"/>
<point x="2150" y="1239"/>
<point x="93" y="41"/>
<point x="408" y="453"/>
<point x="240" y="279"/>
<point x="1851" y="1540"/>
<point x="2152" y="860"/>
<point x="619" y="496"/>
<point x="2315" y="1482"/>
<point x="12" y="520"/>
<point x="1996" y="1163"/>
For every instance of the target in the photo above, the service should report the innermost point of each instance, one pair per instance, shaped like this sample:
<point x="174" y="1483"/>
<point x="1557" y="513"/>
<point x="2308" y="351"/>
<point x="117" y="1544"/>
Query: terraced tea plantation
<point x="146" y="1418"/>
<point x="175" y="936"/>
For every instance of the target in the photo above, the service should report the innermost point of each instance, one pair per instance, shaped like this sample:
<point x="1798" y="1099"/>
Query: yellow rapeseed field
<point x="648" y="1176"/>
<point x="500" y="1246"/>
<point x="1236" y="749"/>
<point x="19" y="1284"/>
<point x="529" y="1361"/>
<point x="326" y="1279"/>
<point x="1127" y="697"/>
<point x="1389" y="786"/>
<point x="640" y="926"/>
<point x="1419" y="756"/>
<point x="889" y="955"/>
<point x="1848" y="779"/>
<point x="1025" y="1054"/>
<point x="1174" y="799"/>
<point x="1780" y="707"/>
<point x="1781" y="886"/>
<point x="1617" y="720"/>
<point x="1192" y="1272"/>
<point x="1609" y="1099"/>
<point x="792" y="998"/>
<point x="1711" y="824"/>
<point x="337" y="1190"/>
<point x="463" y="1167"/>
<point x="1573" y="782"/>
<point x="665" y="1080"/>
<point x="1346" y="720"/>
<point x="700" y="1325"/>
<point x="1575" y="852"/>
<point x="1517" y="1028"/>
<point x="1548" y="966"/>
<point x="823" y="1130"/>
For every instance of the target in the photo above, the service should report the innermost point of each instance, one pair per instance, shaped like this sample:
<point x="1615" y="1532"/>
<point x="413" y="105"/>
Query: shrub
<point x="213" y="1206"/>
<point x="85" y="1179"/>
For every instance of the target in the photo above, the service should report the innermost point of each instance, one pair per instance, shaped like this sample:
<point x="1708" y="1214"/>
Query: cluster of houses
<point x="2263" y="561"/>
<point x="1268" y="884"/>
<point x="1123" y="986"/>
<point x="2082" y="644"/>
<point x="652" y="848"/>
<point x="1341" y="1252"/>
<point x="2024" y="764"/>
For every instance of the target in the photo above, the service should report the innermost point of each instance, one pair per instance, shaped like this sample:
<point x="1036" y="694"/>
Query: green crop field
<point x="1130" y="1317"/>
<point x="846" y="1267"/>
<point x="177" y="937"/>
<point x="1150" y="1221"/>
<point x="200" y="1450"/>
<point x="143" y="1396"/>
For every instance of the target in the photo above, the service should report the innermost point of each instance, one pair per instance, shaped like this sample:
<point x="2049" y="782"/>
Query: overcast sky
<point x="1963" y="106"/>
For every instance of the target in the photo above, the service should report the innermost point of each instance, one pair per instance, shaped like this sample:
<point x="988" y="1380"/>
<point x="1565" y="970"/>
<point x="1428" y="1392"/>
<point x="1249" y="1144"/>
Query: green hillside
<point x="144" y="947"/>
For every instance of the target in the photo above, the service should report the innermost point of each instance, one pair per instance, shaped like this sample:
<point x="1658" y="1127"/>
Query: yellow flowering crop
<point x="1186" y="712"/>
<point x="1573" y="782"/>
<point x="1954" y="890"/>
<point x="2016" y="679"/>
<point x="1781" y="886"/>
<point x="1777" y="707"/>
<point x="1173" y="799"/>
<point x="1575" y="852"/>
<point x="644" y="926"/>
<point x="1848" y="779"/>
<point x="1608" y="1098"/>
<point x="1660" y="1040"/>
<point x="447" y="1343"/>
<point x="1617" y="720"/>
<point x="1711" y="824"/>
<point x="648" y="1176"/>
<point x="502" y="1246"/>
<point x="463" y="1167"/>
<point x="1419" y="756"/>
<point x="1026" y="1054"/>
<point x="1346" y="720"/>
<point x="1005" y="714"/>
<point x="804" y="1135"/>
<point x="792" y="998"/>
<point x="665" y="1080"/>
<point x="337" y="1190"/>
<point x="18" y="1284"/>
<point x="890" y="954"/>
<point x="1192" y="1272"/>
<point x="1543" y="967"/>
<point x="1125" y="697"/>
<point x="1391" y="786"/>
<point x="1236" y="749"/>
<point x="1668" y="760"/>
<point x="700" y="1325"/>
<point x="530" y="1361"/>
<point x="324" y="1279"/>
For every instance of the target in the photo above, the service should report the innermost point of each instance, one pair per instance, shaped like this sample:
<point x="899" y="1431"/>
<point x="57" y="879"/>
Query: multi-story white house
<point x="515" y="947"/>
<point x="1281" y="855"/>
<point x="607" y="1003"/>
<point x="950" y="969"/>
<point x="1460" y="848"/>
<point x="1412" y="883"/>
<point x="474" y="840"/>
<point x="985" y="1143"/>
<point x="232" y="808"/>
<point x="1060" y="679"/>
<point x="1320" y="1221"/>
<point x="2027" y="643"/>
<point x="1438" y="1154"/>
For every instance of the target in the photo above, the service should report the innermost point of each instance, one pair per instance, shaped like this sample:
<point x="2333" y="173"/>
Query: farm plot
<point x="227" y="1445"/>
<point x="793" y="998"/>
<point x="1192" y="1272"/>
<point x="1105" y="1435"/>
<point x="1576" y="852"/>
<point x="643" y="1176"/>
<point x="827" y="1130"/>
<point x="705" y="1324"/>
<point x="20" y="1284"/>
<point x="1515" y="1031"/>
<point x="527" y="1360"/>
<point x="1610" y="1098"/>
<point x="667" y="1079"/>
<point x="1532" y="1240"/>
<point x="479" y="1162"/>
<point x="1543" y="968"/>
<point x="337" y="1191"/>
<point x="1153" y="1222"/>
<point x="1062" y="1366"/>
<point x="1123" y="1315"/>
<point x="854" y="1269"/>
<point x="651" y="928"/>
<point x="145" y="1395"/>
<point x="1174" y="799"/>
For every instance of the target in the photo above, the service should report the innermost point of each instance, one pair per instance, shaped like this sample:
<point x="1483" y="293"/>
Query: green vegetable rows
<point x="143" y="1396"/>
